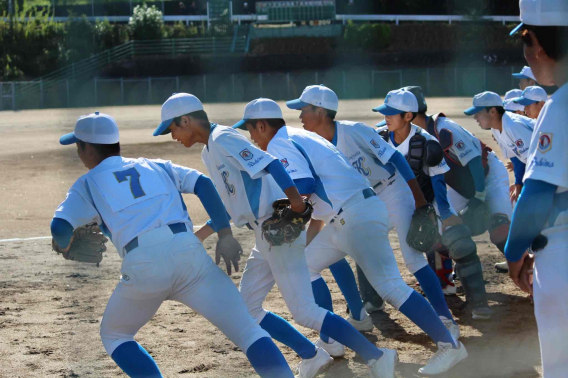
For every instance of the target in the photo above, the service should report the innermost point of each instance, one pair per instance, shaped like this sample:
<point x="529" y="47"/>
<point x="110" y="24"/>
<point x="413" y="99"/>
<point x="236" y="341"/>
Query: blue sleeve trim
<point x="529" y="217"/>
<point x="476" y="167"/>
<point x="61" y="231"/>
<point x="278" y="172"/>
<point x="305" y="185"/>
<point x="211" y="224"/>
<point x="207" y="193"/>
<point x="519" y="170"/>
<point x="402" y="166"/>
<point x="441" y="195"/>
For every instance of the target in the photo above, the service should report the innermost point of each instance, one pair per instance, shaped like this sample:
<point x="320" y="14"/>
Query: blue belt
<point x="366" y="194"/>
<point x="175" y="227"/>
<point x="249" y="226"/>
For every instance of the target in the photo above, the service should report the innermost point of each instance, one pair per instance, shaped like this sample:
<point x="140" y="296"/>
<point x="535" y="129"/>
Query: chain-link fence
<point x="348" y="84"/>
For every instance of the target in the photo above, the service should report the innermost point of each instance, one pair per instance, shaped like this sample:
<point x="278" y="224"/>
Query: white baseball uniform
<point x="138" y="204"/>
<point x="356" y="220"/>
<point x="237" y="168"/>
<point x="370" y="154"/>
<point x="548" y="162"/>
<point x="467" y="147"/>
<point x="515" y="136"/>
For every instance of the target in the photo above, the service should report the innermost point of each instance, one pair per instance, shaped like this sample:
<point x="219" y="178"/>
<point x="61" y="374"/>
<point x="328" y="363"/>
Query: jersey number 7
<point x="132" y="175"/>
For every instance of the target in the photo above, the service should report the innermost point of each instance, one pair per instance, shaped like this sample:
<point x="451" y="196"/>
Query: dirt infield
<point x="50" y="309"/>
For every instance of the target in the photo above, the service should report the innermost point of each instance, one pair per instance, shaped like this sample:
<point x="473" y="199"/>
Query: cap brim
<point x="387" y="110"/>
<point x="523" y="101"/>
<point x="381" y="124"/>
<point x="240" y="124"/>
<point x="516" y="29"/>
<point x="68" y="139"/>
<point x="163" y="128"/>
<point x="296" y="104"/>
<point x="520" y="76"/>
<point x="473" y="110"/>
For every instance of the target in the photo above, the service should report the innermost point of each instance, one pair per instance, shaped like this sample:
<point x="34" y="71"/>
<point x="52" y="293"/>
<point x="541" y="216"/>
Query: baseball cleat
<point x="335" y="349"/>
<point x="363" y="325"/>
<point x="370" y="307"/>
<point x="315" y="365"/>
<point x="481" y="313"/>
<point x="444" y="359"/>
<point x="452" y="327"/>
<point x="502" y="267"/>
<point x="384" y="366"/>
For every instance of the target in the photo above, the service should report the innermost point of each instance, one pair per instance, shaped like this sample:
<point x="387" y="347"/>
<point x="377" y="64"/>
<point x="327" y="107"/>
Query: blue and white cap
<point x="483" y="100"/>
<point x="398" y="101"/>
<point x="317" y="95"/>
<point x="95" y="128"/>
<point x="543" y="13"/>
<point x="526" y="73"/>
<point x="531" y="95"/>
<point x="177" y="105"/>
<point x="512" y="106"/>
<point x="261" y="108"/>
<point x="513" y="93"/>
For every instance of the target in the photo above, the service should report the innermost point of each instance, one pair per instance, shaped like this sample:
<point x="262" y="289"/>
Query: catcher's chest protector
<point x="458" y="177"/>
<point x="415" y="159"/>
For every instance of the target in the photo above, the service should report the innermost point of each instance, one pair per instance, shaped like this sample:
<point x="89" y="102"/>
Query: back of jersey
<point x="133" y="196"/>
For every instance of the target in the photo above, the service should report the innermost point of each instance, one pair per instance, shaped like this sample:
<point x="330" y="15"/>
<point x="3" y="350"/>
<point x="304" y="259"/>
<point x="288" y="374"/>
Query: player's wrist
<point x="224" y="232"/>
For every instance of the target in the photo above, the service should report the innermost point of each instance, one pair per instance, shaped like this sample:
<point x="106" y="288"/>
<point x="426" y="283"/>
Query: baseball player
<point x="400" y="109"/>
<point x="540" y="219"/>
<point x="239" y="169"/>
<point x="391" y="178"/>
<point x="512" y="106"/>
<point x="526" y="78"/>
<point x="511" y="131"/>
<point x="348" y="218"/>
<point x="533" y="99"/>
<point x="138" y="204"/>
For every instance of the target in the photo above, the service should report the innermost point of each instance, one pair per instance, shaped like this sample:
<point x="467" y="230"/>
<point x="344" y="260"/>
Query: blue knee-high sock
<point x="135" y="361"/>
<point x="323" y="299"/>
<point x="433" y="290"/>
<point x="343" y="275"/>
<point x="421" y="313"/>
<point x="340" y="329"/>
<point x="267" y="359"/>
<point x="280" y="330"/>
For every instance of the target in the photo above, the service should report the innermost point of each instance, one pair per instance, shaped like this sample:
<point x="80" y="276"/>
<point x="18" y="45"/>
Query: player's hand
<point x="509" y="166"/>
<point x="229" y="248"/>
<point x="521" y="272"/>
<point x="515" y="192"/>
<point x="451" y="221"/>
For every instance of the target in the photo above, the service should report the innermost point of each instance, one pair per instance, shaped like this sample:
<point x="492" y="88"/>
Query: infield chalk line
<point x="49" y="237"/>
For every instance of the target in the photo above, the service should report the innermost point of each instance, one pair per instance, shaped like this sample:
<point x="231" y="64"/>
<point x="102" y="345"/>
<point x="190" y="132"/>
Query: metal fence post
<point x="13" y="96"/>
<point x="95" y="80"/>
<point x="108" y="56"/>
<point x="122" y="90"/>
<point x="93" y="7"/>
<point x="233" y="82"/>
<point x="260" y="83"/>
<point x="485" y="77"/>
<point x="41" y="94"/>
<point x="149" y="89"/>
<point x="316" y="77"/>
<point x="67" y="89"/>
<point x="177" y="84"/>
<point x="173" y="46"/>
<point x="73" y="69"/>
<point x="208" y="18"/>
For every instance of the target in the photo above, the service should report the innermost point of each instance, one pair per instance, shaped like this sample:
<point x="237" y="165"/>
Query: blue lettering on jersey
<point x="359" y="165"/>
<point x="135" y="187"/>
<point x="464" y="154"/>
<point x="219" y="167"/>
<point x="255" y="162"/>
<point x="542" y="162"/>
<point x="230" y="187"/>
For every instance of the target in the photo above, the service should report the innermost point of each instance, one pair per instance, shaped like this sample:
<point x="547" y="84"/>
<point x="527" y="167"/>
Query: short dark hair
<point x="403" y="114"/>
<point x="199" y="115"/>
<point x="423" y="112"/>
<point x="329" y="113"/>
<point x="103" y="150"/>
<point x="553" y="39"/>
<point x="500" y="109"/>
<point x="275" y="123"/>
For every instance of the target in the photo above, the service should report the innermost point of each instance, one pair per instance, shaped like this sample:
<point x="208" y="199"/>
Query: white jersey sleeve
<point x="516" y="135"/>
<point x="78" y="208"/>
<point x="465" y="146"/>
<point x="252" y="159"/>
<point x="183" y="178"/>
<point x="291" y="158"/>
<point x="375" y="144"/>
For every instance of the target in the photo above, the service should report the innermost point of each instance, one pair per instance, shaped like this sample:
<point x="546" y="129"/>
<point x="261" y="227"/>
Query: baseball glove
<point x="285" y="225"/>
<point x="87" y="245"/>
<point x="423" y="232"/>
<point x="476" y="216"/>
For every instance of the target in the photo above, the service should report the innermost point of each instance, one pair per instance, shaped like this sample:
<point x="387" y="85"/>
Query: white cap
<point x="483" y="100"/>
<point x="261" y="108"/>
<point x="177" y="105"/>
<point x="317" y="95"/>
<point x="513" y="93"/>
<point x="398" y="101"/>
<point x="543" y="13"/>
<point x="95" y="128"/>
<point x="526" y="73"/>
<point x="531" y="95"/>
<point x="512" y="106"/>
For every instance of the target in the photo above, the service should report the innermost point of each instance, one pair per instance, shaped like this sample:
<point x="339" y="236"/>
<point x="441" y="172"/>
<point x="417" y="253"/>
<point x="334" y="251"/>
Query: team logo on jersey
<point x="519" y="143"/>
<point x="545" y="142"/>
<point x="230" y="187"/>
<point x="359" y="165"/>
<point x="246" y="154"/>
<point x="284" y="162"/>
<point x="460" y="145"/>
<point x="375" y="144"/>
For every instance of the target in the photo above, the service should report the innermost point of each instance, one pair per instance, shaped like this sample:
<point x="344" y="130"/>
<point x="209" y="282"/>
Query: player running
<point x="540" y="219"/>
<point x="138" y="204"/>
<point x="348" y="219"/>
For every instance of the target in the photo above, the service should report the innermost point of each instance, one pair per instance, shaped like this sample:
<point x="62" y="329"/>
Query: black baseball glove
<point x="285" y="225"/>
<point x="423" y="232"/>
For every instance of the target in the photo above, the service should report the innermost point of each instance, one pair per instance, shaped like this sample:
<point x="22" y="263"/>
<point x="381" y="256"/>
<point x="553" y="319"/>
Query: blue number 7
<point x="135" y="186"/>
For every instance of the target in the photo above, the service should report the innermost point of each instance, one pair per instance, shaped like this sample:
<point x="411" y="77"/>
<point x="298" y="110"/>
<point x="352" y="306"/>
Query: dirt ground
<point x="50" y="309"/>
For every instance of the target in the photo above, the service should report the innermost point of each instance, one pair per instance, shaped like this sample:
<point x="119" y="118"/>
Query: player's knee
<point x="310" y="316"/>
<point x="258" y="313"/>
<point x="499" y="230"/>
<point x="112" y="340"/>
<point x="395" y="293"/>
<point x="459" y="242"/>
